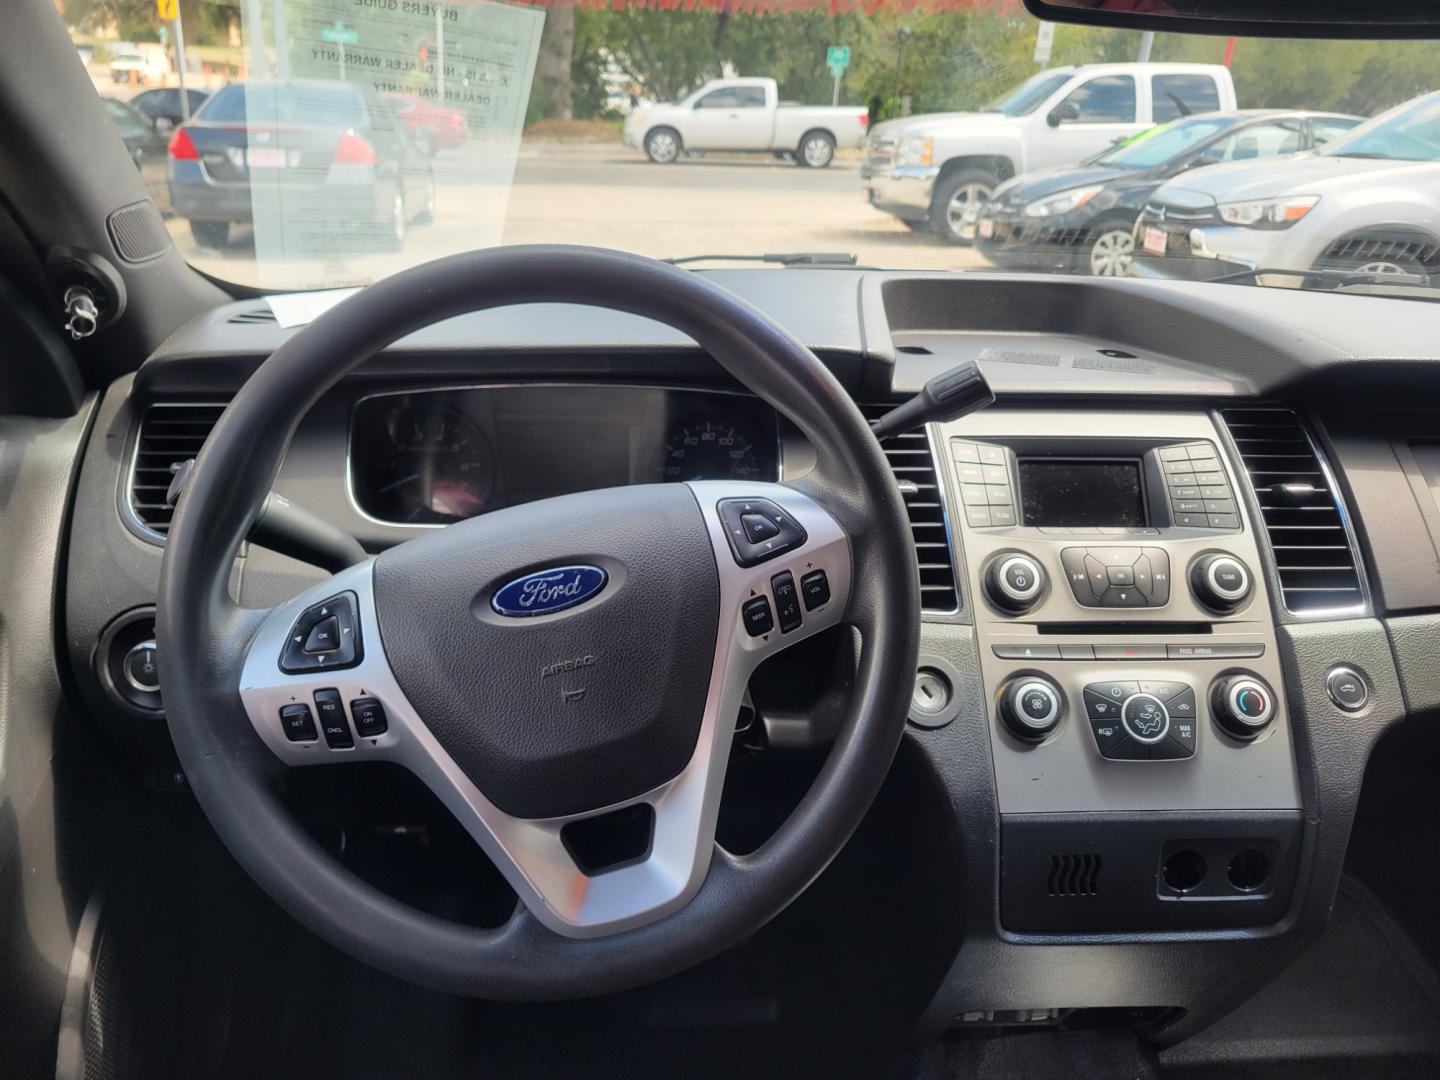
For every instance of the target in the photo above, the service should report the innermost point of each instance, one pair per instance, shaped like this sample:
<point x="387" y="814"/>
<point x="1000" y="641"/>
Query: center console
<point x="1143" y="761"/>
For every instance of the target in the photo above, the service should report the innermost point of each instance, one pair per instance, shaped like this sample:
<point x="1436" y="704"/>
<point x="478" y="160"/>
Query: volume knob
<point x="1014" y="581"/>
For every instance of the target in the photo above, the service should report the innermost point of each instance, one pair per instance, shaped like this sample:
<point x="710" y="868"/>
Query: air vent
<point x="914" y="469"/>
<point x="1304" y="517"/>
<point x="255" y="316"/>
<point x="1073" y="875"/>
<point x="169" y="434"/>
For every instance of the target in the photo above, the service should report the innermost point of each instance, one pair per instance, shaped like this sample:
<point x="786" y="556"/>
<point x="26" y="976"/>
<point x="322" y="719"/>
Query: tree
<point x="552" y="94"/>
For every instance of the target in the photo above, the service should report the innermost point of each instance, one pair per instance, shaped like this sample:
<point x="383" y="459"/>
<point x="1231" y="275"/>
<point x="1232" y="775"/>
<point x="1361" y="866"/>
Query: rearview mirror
<point x="1066" y="110"/>
<point x="1254" y="18"/>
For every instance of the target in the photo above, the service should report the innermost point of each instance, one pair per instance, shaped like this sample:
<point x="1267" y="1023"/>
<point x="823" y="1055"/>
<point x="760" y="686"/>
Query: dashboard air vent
<point x="1073" y="875"/>
<point x="1304" y="517"/>
<point x="169" y="434"/>
<point x="914" y="469"/>
<point x="255" y="316"/>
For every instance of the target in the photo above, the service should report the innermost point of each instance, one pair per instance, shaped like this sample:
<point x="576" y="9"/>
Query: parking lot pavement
<point x="611" y="196"/>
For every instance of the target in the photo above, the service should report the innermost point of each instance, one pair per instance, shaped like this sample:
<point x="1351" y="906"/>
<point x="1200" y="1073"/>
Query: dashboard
<point x="1177" y="581"/>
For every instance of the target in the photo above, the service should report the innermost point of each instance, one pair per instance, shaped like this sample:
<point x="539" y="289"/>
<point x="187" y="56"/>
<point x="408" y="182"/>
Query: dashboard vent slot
<point x="1073" y="875"/>
<point x="914" y="467"/>
<point x="1304" y="517"/>
<point x="255" y="316"/>
<point x="169" y="434"/>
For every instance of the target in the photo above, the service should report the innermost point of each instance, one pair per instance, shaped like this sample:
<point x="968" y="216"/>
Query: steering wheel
<point x="547" y="664"/>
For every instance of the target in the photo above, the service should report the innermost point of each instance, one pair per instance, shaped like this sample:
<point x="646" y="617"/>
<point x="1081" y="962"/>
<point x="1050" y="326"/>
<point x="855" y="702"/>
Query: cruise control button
<point x="299" y="725"/>
<point x="369" y="716"/>
<point x="815" y="589"/>
<point x="332" y="719"/>
<point x="787" y="601"/>
<point x="758" y="527"/>
<point x="755" y="614"/>
<point x="324" y="636"/>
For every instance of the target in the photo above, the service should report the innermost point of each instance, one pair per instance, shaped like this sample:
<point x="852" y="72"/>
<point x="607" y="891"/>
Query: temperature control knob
<point x="1243" y="705"/>
<point x="1031" y="707"/>
<point x="1220" y="582"/>
<point x="1014" y="581"/>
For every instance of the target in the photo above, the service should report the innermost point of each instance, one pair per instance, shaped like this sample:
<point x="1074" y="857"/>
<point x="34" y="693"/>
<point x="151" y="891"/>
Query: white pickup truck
<point x="745" y="114"/>
<point x="935" y="172"/>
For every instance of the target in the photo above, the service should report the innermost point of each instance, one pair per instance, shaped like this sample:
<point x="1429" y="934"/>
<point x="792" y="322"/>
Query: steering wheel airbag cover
<point x="496" y="691"/>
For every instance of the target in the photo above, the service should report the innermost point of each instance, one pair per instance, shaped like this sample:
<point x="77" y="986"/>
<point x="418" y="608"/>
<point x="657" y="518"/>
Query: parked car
<point x="934" y="172"/>
<point x="431" y="127"/>
<point x="146" y="144"/>
<point x="1367" y="201"/>
<point x="146" y="62"/>
<point x="1080" y="219"/>
<point x="334" y="148"/>
<point x="745" y="114"/>
<point x="163" y="103"/>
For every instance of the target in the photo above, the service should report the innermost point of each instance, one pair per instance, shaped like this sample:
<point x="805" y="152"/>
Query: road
<point x="611" y="196"/>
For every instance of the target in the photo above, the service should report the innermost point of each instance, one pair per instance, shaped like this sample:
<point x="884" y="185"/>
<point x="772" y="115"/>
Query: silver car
<point x="1368" y="201"/>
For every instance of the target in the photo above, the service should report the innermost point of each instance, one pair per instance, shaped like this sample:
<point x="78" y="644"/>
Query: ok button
<point x="1145" y="718"/>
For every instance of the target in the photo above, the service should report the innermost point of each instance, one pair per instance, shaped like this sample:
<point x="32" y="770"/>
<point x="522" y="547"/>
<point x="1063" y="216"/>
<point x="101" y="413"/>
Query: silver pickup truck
<point x="745" y="114"/>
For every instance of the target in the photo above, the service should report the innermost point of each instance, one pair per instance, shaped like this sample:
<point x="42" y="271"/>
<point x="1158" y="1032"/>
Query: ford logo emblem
<point x="547" y="591"/>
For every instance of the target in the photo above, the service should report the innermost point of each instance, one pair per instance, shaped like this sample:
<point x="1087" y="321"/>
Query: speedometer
<point x="424" y="464"/>
<point x="721" y="446"/>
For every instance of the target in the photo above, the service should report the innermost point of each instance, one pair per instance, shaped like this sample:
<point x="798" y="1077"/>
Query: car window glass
<point x="1182" y="95"/>
<point x="1330" y="128"/>
<point x="125" y="118"/>
<point x="1156" y="146"/>
<point x="1110" y="99"/>
<point x="750" y="97"/>
<point x="264" y="103"/>
<point x="1030" y="96"/>
<point x="719" y="99"/>
<point x="1256" y="141"/>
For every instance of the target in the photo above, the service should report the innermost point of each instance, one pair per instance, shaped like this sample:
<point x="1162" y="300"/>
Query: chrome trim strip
<point x="1364" y="606"/>
<point x="462" y="387"/>
<point x="530" y="852"/>
<point x="952" y="541"/>
<point x="128" y="513"/>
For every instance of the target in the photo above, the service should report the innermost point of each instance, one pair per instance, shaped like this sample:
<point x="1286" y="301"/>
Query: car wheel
<point x="210" y="234"/>
<point x="957" y="202"/>
<point x="817" y="150"/>
<point x="662" y="145"/>
<point x="1112" y="253"/>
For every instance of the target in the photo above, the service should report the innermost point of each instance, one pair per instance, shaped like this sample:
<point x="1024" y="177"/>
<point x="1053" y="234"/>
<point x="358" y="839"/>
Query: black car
<point x="1079" y="218"/>
<point x="318" y="159"/>
<point x="163" y="103"/>
<point x="146" y="144"/>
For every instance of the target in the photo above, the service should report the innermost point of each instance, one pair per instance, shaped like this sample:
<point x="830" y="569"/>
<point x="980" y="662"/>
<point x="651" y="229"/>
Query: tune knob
<point x="1220" y="582"/>
<point x="1243" y="705"/>
<point x="1014" y="581"/>
<point x="1031" y="707"/>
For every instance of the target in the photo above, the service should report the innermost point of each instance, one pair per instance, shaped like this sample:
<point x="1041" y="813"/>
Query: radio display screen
<point x="1079" y="492"/>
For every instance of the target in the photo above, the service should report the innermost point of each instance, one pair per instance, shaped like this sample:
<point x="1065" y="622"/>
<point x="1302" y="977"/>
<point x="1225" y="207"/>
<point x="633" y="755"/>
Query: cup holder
<point x="1184" y="870"/>
<point x="1249" y="871"/>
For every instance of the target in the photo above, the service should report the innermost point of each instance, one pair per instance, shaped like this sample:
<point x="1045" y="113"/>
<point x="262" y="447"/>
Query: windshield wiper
<point x="791" y="258"/>
<point x="1333" y="279"/>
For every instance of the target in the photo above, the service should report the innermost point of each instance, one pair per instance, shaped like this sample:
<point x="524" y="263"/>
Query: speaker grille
<point x="138" y="232"/>
<point x="1074" y="875"/>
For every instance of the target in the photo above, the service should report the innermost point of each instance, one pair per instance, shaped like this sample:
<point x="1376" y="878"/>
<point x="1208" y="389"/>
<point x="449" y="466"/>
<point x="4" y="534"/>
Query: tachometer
<point x="720" y="446"/>
<point x="424" y="464"/>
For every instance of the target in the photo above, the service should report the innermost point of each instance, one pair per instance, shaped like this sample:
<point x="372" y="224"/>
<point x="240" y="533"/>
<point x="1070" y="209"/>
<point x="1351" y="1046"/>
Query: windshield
<point x="1163" y="144"/>
<point x="1029" y="97"/>
<point x="329" y="143"/>
<point x="1408" y="133"/>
